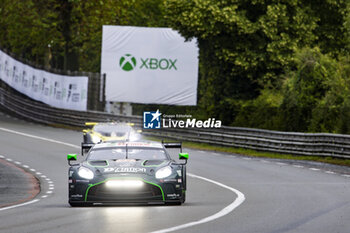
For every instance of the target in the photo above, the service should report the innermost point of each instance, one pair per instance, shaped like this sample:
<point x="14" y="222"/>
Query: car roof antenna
<point x="128" y="137"/>
<point x="126" y="150"/>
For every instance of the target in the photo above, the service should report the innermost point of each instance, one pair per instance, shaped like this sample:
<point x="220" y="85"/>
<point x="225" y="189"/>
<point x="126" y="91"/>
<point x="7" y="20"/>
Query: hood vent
<point x="152" y="163"/>
<point x="98" y="163"/>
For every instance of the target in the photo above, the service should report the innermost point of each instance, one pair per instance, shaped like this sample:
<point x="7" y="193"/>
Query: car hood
<point x="126" y="166"/>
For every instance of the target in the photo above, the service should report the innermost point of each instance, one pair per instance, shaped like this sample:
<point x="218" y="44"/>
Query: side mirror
<point x="183" y="156"/>
<point x="71" y="157"/>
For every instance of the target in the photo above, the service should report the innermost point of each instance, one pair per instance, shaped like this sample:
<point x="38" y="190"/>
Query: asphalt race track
<point x="260" y="195"/>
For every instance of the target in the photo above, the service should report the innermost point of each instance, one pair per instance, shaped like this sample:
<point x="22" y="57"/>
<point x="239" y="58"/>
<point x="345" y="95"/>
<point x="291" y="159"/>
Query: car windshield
<point x="133" y="153"/>
<point x="112" y="130"/>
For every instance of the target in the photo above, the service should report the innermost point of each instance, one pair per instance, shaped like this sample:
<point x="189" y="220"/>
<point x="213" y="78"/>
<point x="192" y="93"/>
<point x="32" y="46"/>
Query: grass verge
<point x="254" y="153"/>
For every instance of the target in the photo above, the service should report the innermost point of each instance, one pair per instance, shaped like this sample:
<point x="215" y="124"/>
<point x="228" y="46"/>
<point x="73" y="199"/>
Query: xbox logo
<point x="127" y="62"/>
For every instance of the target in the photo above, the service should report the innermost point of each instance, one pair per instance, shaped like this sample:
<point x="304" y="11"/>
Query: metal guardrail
<point x="316" y="144"/>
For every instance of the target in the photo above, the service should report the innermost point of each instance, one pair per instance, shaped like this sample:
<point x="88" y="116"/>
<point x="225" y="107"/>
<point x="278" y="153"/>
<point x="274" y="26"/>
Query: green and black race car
<point x="128" y="172"/>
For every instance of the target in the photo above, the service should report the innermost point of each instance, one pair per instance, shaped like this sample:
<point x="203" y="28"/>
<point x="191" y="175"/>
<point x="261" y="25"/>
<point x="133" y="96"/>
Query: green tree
<point x="27" y="27"/>
<point x="305" y="88"/>
<point x="90" y="16"/>
<point x="332" y="113"/>
<point x="245" y="46"/>
<point x="69" y="31"/>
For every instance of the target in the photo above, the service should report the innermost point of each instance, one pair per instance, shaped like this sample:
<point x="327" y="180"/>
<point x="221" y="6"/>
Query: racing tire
<point x="183" y="198"/>
<point x="184" y="177"/>
<point x="175" y="203"/>
<point x="79" y="204"/>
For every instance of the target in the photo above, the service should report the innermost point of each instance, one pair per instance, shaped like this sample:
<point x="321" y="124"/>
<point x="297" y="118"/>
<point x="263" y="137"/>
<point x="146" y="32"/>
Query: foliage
<point x="245" y="46"/>
<point x="306" y="87"/>
<point x="27" y="27"/>
<point x="69" y="31"/>
<point x="313" y="98"/>
<point x="332" y="113"/>
<point x="261" y="112"/>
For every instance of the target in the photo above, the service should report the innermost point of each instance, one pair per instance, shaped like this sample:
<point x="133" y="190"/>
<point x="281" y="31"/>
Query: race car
<point x="109" y="131"/>
<point x="128" y="172"/>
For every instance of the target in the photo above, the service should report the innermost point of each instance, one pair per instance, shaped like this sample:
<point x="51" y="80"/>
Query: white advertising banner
<point x="149" y="65"/>
<point x="60" y="91"/>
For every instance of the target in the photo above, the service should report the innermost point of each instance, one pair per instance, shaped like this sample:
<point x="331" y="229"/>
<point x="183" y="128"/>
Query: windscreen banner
<point x="149" y="65"/>
<point x="60" y="91"/>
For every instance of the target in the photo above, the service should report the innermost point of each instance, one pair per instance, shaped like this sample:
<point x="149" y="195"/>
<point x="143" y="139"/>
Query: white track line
<point x="37" y="137"/>
<point x="314" y="169"/>
<point x="237" y="202"/>
<point x="282" y="164"/>
<point x="22" y="204"/>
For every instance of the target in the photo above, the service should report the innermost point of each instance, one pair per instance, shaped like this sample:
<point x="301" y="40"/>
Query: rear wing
<point x="173" y="145"/>
<point x="90" y="124"/>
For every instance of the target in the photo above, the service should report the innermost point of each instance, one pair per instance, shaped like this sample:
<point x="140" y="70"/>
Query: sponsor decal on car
<point x="124" y="170"/>
<point x="170" y="180"/>
<point x="173" y="195"/>
<point x="77" y="195"/>
<point x="82" y="181"/>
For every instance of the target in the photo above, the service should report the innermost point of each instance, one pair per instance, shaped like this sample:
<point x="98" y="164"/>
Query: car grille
<point x="102" y="193"/>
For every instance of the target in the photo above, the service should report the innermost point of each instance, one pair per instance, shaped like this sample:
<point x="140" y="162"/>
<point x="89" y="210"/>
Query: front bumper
<point x="148" y="192"/>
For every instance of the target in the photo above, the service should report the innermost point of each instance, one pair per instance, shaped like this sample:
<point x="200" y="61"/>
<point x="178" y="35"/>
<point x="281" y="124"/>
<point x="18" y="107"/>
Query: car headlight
<point x="95" y="139"/>
<point x="163" y="172"/>
<point x="85" y="173"/>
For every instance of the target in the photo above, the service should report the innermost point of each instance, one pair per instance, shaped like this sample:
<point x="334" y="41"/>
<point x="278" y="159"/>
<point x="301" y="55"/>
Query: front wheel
<point x="183" y="198"/>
